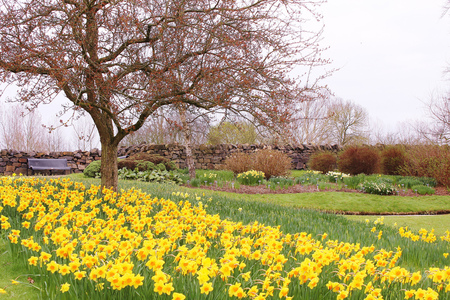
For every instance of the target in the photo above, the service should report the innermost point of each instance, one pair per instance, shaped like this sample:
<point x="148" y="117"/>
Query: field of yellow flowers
<point x="93" y="243"/>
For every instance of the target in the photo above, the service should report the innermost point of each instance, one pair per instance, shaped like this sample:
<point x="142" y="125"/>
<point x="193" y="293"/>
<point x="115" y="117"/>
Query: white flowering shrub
<point x="378" y="188"/>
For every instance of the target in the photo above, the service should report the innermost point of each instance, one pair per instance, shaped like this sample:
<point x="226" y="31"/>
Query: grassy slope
<point x="267" y="213"/>
<point x="339" y="201"/>
<point x="356" y="202"/>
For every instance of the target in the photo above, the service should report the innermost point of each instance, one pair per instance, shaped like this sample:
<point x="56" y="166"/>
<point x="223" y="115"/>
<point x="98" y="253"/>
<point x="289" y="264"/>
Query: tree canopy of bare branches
<point x="119" y="60"/>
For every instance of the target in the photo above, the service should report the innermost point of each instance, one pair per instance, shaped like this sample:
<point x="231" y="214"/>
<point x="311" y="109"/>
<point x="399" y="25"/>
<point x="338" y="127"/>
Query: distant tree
<point x="438" y="129"/>
<point x="347" y="123"/>
<point x="309" y="124"/>
<point x="118" y="60"/>
<point x="85" y="134"/>
<point x="240" y="132"/>
<point x="24" y="131"/>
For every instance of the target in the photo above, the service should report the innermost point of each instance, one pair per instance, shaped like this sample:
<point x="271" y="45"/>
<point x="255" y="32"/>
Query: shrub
<point x="145" y="161"/>
<point x="238" y="163"/>
<point x="422" y="189"/>
<point x="93" y="169"/>
<point x="359" y="159"/>
<point x="251" y="177"/>
<point x="271" y="163"/>
<point x="428" y="161"/>
<point x="322" y="161"/>
<point x="378" y="187"/>
<point x="150" y="176"/>
<point x="392" y="160"/>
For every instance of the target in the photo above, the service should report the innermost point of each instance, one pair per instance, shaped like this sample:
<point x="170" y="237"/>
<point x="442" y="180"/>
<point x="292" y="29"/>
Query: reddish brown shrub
<point x="272" y="163"/>
<point x="359" y="159"/>
<point x="428" y="161"/>
<point x="322" y="161"/>
<point x="392" y="160"/>
<point x="238" y="163"/>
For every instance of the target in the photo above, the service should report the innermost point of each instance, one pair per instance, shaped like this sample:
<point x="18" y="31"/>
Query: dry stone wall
<point x="206" y="157"/>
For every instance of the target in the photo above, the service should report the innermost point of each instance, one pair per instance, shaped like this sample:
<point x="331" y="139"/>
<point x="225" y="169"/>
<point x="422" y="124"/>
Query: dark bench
<point x="36" y="164"/>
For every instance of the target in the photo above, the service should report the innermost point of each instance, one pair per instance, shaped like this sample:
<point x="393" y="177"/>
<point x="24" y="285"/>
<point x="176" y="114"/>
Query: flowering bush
<point x="336" y="176"/>
<point x="378" y="187"/>
<point x="251" y="177"/>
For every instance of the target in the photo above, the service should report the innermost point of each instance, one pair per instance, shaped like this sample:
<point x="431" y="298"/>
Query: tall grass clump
<point x="355" y="160"/>
<point x="423" y="189"/>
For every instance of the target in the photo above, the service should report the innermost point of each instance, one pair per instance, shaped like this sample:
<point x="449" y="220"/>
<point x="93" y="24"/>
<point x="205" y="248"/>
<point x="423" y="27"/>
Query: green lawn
<point x="354" y="202"/>
<point x="11" y="270"/>
<point x="440" y="223"/>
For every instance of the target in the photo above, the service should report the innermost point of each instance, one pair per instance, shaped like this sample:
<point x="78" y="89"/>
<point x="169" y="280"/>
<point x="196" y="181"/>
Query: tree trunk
<point x="108" y="166"/>
<point x="187" y="142"/>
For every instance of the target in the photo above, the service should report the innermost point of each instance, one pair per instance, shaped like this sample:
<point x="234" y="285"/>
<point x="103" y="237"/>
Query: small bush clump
<point x="251" y="177"/>
<point x="336" y="177"/>
<point x="323" y="162"/>
<point x="359" y="159"/>
<point x="93" y="169"/>
<point x="147" y="162"/>
<point x="423" y="189"/>
<point x="378" y="188"/>
<point x="409" y="182"/>
<point x="392" y="160"/>
<point x="271" y="163"/>
<point x="352" y="182"/>
<point x="159" y="176"/>
<point x="238" y="163"/>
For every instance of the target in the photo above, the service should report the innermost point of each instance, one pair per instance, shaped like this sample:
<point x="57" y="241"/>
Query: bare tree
<point x="24" y="131"/>
<point x="309" y="125"/>
<point x="347" y="123"/>
<point x="118" y="60"/>
<point x="85" y="134"/>
<point x="438" y="129"/>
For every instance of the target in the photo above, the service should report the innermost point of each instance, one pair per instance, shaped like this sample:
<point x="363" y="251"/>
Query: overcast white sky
<point x="391" y="53"/>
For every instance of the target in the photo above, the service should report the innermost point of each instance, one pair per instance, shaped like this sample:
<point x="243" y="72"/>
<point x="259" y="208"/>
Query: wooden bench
<point x="43" y="164"/>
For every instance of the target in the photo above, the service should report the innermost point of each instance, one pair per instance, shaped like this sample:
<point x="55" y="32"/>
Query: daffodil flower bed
<point x="97" y="244"/>
<point x="251" y="177"/>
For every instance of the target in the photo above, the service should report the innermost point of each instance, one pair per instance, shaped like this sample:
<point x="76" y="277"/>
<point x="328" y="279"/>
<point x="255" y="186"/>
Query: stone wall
<point x="12" y="161"/>
<point x="206" y="157"/>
